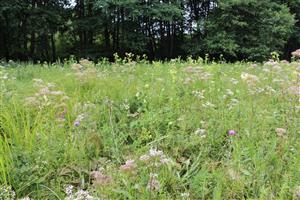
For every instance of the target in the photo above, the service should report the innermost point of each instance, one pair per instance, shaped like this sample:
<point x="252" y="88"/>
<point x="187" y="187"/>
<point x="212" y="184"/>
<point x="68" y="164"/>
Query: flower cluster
<point x="100" y="179"/>
<point x="153" y="183"/>
<point x="84" y="114"/>
<point x="296" y="54"/>
<point x="196" y="73"/>
<point x="152" y="161"/>
<point x="250" y="79"/>
<point x="198" y="94"/>
<point x="200" y="132"/>
<point x="155" y="158"/>
<point x="48" y="97"/>
<point x="79" y="195"/>
<point x="6" y="192"/>
<point x="84" y="70"/>
<point x="129" y="166"/>
<point x="281" y="132"/>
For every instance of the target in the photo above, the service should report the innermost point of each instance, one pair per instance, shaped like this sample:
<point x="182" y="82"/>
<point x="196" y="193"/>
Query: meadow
<point x="139" y="130"/>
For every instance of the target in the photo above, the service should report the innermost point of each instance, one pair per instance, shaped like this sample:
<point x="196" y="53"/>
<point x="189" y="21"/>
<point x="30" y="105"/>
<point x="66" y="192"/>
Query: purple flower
<point x="76" y="123"/>
<point x="231" y="132"/>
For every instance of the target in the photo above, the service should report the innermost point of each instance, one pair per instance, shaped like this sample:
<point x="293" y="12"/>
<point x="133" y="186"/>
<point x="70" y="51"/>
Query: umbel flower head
<point x="296" y="53"/>
<point x="153" y="184"/>
<point x="129" y="166"/>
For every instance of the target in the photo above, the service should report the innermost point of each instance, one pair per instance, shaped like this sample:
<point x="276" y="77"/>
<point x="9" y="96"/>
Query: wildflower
<point x="231" y="132"/>
<point x="234" y="81"/>
<point x="38" y="81"/>
<point x="201" y="132"/>
<point x="253" y="65"/>
<point x="280" y="132"/>
<point x="233" y="174"/>
<point x="6" y="192"/>
<point x="57" y="93"/>
<point x="296" y="53"/>
<point x="199" y="94"/>
<point x="32" y="101"/>
<point x="165" y="160"/>
<point x="84" y="195"/>
<point x="249" y="78"/>
<point x="185" y="195"/>
<point x="229" y="92"/>
<point x="77" y="67"/>
<point x="144" y="158"/>
<point x="78" y="120"/>
<point x="155" y="152"/>
<point x="297" y="192"/>
<point x="208" y="105"/>
<point x="100" y="178"/>
<point x="85" y="62"/>
<point x="76" y="123"/>
<point x="79" y="195"/>
<point x="25" y="198"/>
<point x="233" y="102"/>
<point x="129" y="166"/>
<point x="294" y="90"/>
<point x="69" y="190"/>
<point x="153" y="183"/>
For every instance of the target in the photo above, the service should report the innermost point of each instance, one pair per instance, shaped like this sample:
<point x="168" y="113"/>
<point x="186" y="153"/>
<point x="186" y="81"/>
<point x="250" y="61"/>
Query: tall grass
<point x="88" y="125"/>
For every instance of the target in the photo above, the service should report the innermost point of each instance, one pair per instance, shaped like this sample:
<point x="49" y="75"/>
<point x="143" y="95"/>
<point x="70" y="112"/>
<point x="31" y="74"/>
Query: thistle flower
<point x="231" y="132"/>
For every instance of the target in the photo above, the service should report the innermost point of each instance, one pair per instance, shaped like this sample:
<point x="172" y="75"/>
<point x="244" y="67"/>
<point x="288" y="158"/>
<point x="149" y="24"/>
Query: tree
<point x="248" y="29"/>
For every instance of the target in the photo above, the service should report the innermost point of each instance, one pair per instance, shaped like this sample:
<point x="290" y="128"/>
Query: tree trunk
<point x="53" y="48"/>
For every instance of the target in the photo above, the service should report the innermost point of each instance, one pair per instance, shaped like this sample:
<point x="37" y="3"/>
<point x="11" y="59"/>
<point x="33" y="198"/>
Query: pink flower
<point x="153" y="183"/>
<point x="231" y="132"/>
<point x="129" y="166"/>
<point x="76" y="123"/>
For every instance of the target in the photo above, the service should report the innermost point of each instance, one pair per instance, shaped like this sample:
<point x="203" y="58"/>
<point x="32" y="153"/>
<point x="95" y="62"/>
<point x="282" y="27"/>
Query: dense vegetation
<point x="174" y="130"/>
<point x="46" y="30"/>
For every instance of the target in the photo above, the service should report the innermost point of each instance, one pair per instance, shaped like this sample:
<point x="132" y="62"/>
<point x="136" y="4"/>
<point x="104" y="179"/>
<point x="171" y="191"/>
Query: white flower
<point x="155" y="152"/>
<point x="201" y="132"/>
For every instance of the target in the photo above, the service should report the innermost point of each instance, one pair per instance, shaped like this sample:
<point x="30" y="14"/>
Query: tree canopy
<point x="46" y="30"/>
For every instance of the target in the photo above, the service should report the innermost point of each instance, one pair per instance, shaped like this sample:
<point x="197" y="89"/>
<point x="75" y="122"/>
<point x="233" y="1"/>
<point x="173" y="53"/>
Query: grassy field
<point x="174" y="130"/>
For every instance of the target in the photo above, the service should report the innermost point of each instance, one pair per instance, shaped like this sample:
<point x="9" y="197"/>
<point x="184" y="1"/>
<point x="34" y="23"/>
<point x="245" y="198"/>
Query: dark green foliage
<point x="47" y="30"/>
<point x="248" y="29"/>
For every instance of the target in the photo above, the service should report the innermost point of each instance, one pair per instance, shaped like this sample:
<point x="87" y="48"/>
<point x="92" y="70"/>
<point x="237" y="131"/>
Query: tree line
<point x="48" y="30"/>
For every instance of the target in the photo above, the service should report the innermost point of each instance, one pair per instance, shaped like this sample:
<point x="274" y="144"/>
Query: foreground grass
<point x="141" y="131"/>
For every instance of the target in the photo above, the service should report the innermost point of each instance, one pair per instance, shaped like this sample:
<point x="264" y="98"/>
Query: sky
<point x="72" y="2"/>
